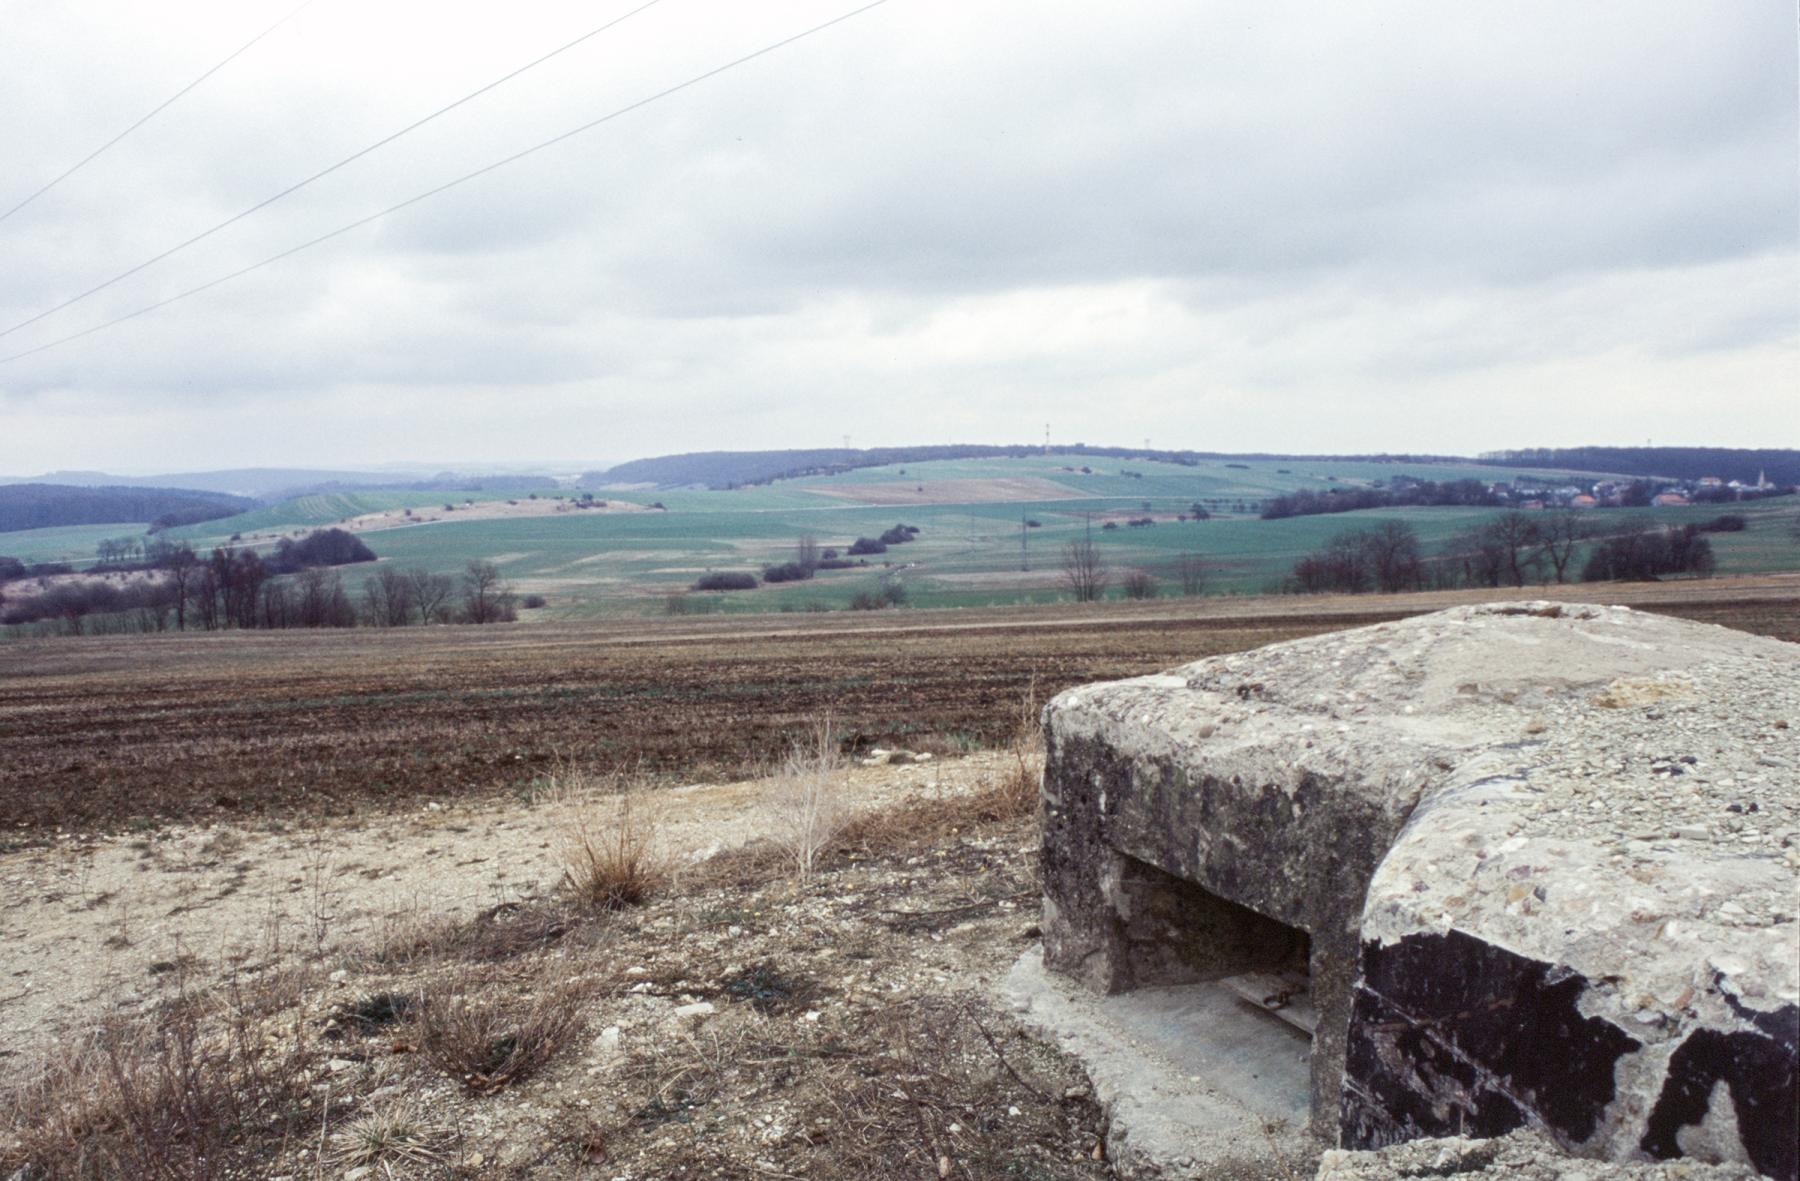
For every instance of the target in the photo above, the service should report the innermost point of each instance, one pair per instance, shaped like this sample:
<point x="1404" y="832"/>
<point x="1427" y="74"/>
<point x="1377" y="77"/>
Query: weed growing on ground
<point x="487" y="1031"/>
<point x="807" y="809"/>
<point x="609" y="851"/>
<point x="398" y="1134"/>
<point x="196" y="1090"/>
<point x="1016" y="791"/>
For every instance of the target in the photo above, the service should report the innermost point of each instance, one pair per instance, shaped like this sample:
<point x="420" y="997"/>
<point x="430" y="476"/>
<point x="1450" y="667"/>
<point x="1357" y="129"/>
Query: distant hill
<point x="44" y="506"/>
<point x="1782" y="465"/>
<point x="260" y="482"/>
<point x="730" y="469"/>
<point x="443" y="482"/>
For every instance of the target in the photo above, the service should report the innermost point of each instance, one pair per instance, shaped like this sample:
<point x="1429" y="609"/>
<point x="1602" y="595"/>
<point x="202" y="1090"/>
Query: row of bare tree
<point x="1509" y="549"/>
<point x="1087" y="576"/>
<point x="238" y="590"/>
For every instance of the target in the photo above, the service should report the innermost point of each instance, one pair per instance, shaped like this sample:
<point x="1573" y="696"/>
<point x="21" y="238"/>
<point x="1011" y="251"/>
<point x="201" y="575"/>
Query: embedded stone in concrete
<point x="1538" y="861"/>
<point x="1518" y="1156"/>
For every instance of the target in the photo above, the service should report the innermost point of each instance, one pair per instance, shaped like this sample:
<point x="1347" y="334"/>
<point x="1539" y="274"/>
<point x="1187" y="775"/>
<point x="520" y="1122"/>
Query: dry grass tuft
<point x="609" y="851"/>
<point x="807" y="808"/>
<point x="1016" y="791"/>
<point x="483" y="1029"/>
<point x="400" y="1133"/>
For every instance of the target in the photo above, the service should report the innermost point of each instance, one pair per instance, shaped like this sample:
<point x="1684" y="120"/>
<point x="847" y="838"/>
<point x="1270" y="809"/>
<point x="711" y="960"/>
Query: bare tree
<point x="1392" y="550"/>
<point x="183" y="566"/>
<point x="806" y="552"/>
<point x="430" y="594"/>
<point x="389" y="597"/>
<point x="1139" y="584"/>
<point x="1191" y="569"/>
<point x="1559" y="532"/>
<point x="1084" y="572"/>
<point x="1517" y="534"/>
<point x="1504" y="549"/>
<point x="486" y="596"/>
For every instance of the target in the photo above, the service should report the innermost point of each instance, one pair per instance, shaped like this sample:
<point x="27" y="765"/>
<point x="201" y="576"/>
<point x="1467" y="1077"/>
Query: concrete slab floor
<point x="1197" y="1084"/>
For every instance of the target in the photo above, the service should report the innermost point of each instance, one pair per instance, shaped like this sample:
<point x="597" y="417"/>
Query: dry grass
<point x="197" y="1090"/>
<point x="487" y="1029"/>
<point x="400" y="1134"/>
<point x="608" y="847"/>
<point x="807" y="810"/>
<point x="1016" y="791"/>
<point x="928" y="1087"/>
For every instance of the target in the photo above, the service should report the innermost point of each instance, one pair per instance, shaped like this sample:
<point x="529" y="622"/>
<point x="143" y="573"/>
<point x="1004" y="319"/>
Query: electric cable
<point x="482" y="171"/>
<point x="165" y="104"/>
<point x="324" y="172"/>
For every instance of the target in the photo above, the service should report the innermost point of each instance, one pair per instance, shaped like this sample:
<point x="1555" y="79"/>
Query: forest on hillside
<point x="47" y="506"/>
<point x="1781" y="465"/>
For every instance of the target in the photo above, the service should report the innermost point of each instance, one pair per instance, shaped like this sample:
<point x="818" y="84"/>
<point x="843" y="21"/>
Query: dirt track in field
<point x="105" y="732"/>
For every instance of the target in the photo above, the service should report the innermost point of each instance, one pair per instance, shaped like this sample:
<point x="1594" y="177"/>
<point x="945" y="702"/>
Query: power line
<point x="89" y="158"/>
<point x="324" y="172"/>
<point x="482" y="171"/>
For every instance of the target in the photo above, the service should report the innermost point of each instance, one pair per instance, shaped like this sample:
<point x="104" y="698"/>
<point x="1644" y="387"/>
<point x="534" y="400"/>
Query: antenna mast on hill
<point x="846" y="442"/>
<point x="1046" y="438"/>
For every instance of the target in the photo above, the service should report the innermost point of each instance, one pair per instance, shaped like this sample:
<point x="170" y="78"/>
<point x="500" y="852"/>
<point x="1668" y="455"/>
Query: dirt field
<point x="318" y="881"/>
<point x="111" y="733"/>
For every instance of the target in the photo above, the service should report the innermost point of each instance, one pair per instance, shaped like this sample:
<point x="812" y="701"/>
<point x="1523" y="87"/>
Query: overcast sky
<point x="1253" y="226"/>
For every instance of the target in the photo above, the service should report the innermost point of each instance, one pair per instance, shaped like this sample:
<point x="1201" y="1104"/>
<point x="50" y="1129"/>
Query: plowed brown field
<point x="104" y="732"/>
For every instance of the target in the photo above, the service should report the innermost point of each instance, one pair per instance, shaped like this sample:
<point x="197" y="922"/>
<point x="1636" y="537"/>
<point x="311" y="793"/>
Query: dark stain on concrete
<point x="1758" y="1066"/>
<point x="1453" y="1036"/>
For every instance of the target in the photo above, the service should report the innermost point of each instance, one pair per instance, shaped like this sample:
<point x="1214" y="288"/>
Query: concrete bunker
<point x="1521" y="866"/>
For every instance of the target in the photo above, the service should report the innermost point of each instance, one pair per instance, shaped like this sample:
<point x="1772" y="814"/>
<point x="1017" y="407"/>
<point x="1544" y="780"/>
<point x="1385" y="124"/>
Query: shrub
<point x="532" y="602"/>
<point x="839" y="563"/>
<point x="1110" y="525"/>
<point x="868" y="545"/>
<point x="898" y="535"/>
<point x="609" y="857"/>
<point x="1139" y="585"/>
<point x="193" y="1090"/>
<point x="1728" y="523"/>
<point x="1645" y="557"/>
<point x="321" y="547"/>
<point x="725" y="580"/>
<point x="787" y="572"/>
<point x="476" y="1029"/>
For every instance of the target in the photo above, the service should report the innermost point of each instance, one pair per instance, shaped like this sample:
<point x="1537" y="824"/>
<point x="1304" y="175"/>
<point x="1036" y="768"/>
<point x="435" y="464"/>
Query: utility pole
<point x="1024" y="548"/>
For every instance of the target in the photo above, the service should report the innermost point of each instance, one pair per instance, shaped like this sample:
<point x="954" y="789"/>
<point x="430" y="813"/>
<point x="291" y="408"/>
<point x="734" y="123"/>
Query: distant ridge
<point x="731" y="469"/>
<point x="277" y="483"/>
<point x="258" y="482"/>
<point x="44" y="506"/>
<point x="1780" y="465"/>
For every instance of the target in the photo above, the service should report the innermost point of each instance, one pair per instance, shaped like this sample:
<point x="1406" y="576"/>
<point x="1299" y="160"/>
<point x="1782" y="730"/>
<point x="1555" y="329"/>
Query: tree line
<point x="297" y="585"/>
<point x="1510" y="549"/>
<point x="1309" y="502"/>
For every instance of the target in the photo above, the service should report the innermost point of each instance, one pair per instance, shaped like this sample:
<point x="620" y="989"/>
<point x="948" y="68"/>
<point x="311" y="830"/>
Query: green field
<point x="968" y="552"/>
